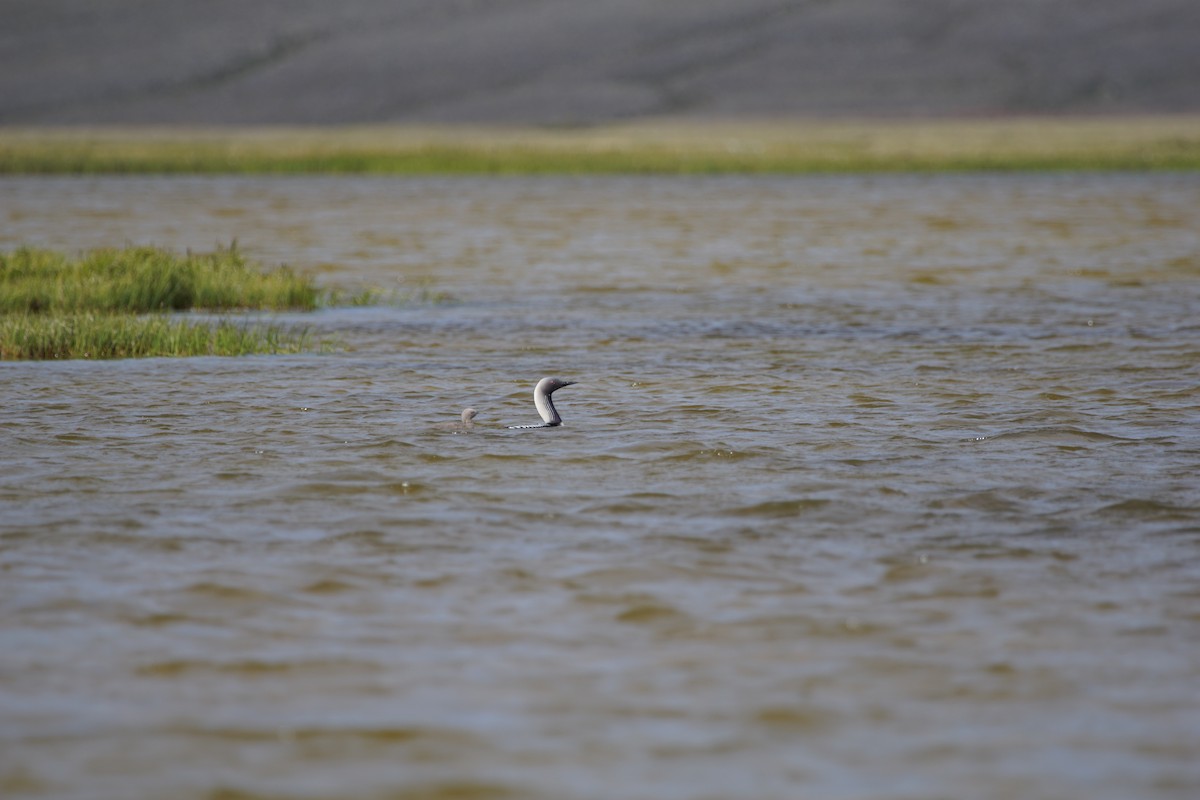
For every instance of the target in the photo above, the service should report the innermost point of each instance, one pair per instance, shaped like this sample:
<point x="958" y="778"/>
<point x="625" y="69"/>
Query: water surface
<point x="870" y="487"/>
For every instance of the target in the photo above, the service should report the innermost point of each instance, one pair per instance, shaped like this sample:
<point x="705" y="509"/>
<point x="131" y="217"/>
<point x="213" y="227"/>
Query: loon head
<point x="550" y="385"/>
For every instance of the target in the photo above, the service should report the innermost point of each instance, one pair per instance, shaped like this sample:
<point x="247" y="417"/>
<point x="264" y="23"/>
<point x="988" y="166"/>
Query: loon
<point x="545" y="406"/>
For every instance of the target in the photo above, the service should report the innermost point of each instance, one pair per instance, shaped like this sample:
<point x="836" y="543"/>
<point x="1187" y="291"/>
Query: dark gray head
<point x="550" y="385"/>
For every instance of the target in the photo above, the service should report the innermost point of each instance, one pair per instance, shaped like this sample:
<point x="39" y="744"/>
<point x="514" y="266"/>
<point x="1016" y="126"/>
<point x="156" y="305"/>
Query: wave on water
<point x="1063" y="433"/>
<point x="1150" y="509"/>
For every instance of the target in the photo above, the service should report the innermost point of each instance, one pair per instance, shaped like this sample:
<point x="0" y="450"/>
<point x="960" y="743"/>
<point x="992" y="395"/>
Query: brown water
<point x="872" y="487"/>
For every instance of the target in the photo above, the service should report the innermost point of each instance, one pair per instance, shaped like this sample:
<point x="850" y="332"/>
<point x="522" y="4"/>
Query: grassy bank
<point x="91" y="335"/>
<point x="1115" y="143"/>
<point x="111" y="303"/>
<point x="144" y="279"/>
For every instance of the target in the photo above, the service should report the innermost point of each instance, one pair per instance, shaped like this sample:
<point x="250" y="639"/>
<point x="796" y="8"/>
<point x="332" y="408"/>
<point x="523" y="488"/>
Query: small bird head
<point x="468" y="415"/>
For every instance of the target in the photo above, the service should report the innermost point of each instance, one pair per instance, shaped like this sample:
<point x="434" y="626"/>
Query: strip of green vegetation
<point x="98" y="336"/>
<point x="1056" y="143"/>
<point x="112" y="303"/>
<point x="144" y="279"/>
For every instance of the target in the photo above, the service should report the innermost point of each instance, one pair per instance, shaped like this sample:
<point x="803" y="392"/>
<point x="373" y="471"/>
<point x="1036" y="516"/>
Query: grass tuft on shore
<point x="119" y="303"/>
<point x="105" y="336"/>
<point x="139" y="280"/>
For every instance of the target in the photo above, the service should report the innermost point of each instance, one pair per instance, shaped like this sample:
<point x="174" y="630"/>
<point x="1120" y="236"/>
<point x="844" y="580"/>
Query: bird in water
<point x="545" y="406"/>
<point x="466" y="422"/>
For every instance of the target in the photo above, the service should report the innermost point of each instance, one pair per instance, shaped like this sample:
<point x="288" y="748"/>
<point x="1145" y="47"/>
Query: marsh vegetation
<point x="779" y="147"/>
<point x="118" y="303"/>
<point x="138" y="280"/>
<point x="92" y="335"/>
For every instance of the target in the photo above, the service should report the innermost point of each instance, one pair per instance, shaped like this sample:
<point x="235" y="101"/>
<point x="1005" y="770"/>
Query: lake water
<point x="870" y="487"/>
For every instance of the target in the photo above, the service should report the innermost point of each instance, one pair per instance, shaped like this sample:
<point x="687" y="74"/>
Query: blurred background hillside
<point x="583" y="62"/>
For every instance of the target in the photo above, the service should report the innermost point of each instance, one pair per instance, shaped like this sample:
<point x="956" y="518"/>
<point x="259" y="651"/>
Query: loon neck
<point x="545" y="408"/>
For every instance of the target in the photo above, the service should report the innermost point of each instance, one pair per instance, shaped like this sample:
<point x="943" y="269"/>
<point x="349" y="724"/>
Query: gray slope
<point x="588" y="61"/>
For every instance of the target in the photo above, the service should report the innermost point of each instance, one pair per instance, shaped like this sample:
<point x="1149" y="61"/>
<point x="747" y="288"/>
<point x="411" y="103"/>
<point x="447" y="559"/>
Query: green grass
<point x="115" y="303"/>
<point x="144" y="279"/>
<point x="783" y="147"/>
<point x="97" y="336"/>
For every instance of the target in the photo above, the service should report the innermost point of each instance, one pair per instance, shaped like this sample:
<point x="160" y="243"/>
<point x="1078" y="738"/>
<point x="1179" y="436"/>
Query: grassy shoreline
<point x="784" y="147"/>
<point x="31" y="337"/>
<point x="140" y="280"/>
<point x="123" y="303"/>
